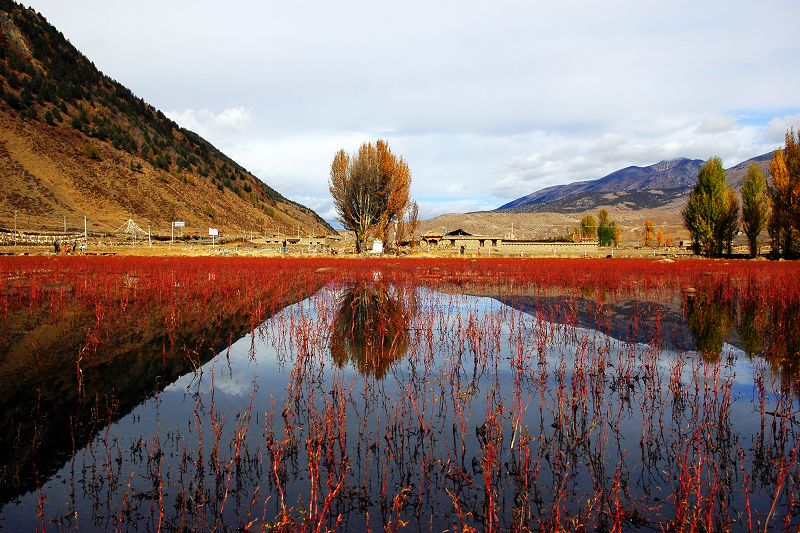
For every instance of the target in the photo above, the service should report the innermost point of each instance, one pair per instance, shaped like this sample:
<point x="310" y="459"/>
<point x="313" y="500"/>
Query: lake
<point x="418" y="394"/>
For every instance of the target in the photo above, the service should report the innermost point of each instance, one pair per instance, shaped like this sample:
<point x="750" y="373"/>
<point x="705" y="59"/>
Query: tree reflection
<point x="782" y="348"/>
<point x="709" y="319"/>
<point x="751" y="327"/>
<point x="765" y="329"/>
<point x="371" y="328"/>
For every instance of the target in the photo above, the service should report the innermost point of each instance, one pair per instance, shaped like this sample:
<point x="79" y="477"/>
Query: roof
<point x="458" y="233"/>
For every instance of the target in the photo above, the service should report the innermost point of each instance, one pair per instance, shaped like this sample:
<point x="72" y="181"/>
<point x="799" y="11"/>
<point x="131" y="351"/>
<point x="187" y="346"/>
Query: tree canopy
<point x="607" y="231"/>
<point x="784" y="193"/>
<point x="712" y="212"/>
<point x="370" y="190"/>
<point x="755" y="206"/>
<point x="588" y="227"/>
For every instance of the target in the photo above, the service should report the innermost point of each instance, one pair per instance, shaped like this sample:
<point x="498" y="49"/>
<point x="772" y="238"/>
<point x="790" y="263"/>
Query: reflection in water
<point x="79" y="364"/>
<point x="709" y="319"/>
<point x="764" y="329"/>
<point x="524" y="409"/>
<point x="781" y="333"/>
<point x="751" y="324"/>
<point x="371" y="328"/>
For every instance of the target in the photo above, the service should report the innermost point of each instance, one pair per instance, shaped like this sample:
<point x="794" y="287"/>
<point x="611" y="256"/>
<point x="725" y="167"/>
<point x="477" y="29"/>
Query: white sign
<point x="213" y="232"/>
<point x="179" y="224"/>
<point x="377" y="247"/>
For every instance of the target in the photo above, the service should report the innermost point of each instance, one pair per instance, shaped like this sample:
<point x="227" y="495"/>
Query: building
<point x="464" y="242"/>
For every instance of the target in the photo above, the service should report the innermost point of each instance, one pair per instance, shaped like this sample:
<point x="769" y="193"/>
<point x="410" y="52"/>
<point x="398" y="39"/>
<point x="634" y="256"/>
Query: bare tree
<point x="408" y="223"/>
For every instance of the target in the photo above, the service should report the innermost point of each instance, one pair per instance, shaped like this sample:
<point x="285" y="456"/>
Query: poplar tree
<point x="711" y="213"/>
<point x="370" y="190"/>
<point x="606" y="230"/>
<point x="755" y="206"/>
<point x="784" y="191"/>
<point x="589" y="227"/>
<point x="649" y="231"/>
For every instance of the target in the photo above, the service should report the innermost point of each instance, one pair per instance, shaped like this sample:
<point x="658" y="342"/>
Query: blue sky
<point x="487" y="101"/>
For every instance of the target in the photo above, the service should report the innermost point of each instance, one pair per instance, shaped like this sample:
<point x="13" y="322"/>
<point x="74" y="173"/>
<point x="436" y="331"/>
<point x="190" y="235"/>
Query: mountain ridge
<point x="660" y="185"/>
<point x="75" y="142"/>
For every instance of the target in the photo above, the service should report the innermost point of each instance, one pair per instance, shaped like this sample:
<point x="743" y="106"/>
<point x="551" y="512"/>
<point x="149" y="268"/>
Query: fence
<point x="10" y="237"/>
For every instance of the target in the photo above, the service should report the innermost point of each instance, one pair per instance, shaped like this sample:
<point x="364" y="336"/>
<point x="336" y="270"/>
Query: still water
<point x="373" y="404"/>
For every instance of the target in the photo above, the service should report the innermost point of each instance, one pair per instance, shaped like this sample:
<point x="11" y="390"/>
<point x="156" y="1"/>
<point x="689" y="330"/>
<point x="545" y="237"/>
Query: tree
<point x="649" y="232"/>
<point x="780" y="230"/>
<point x="370" y="190"/>
<point x="728" y="225"/>
<point x="709" y="210"/>
<point x="660" y="238"/>
<point x="407" y="224"/>
<point x="792" y="155"/>
<point x="589" y="227"/>
<point x="755" y="206"/>
<point x="606" y="230"/>
<point x="784" y="192"/>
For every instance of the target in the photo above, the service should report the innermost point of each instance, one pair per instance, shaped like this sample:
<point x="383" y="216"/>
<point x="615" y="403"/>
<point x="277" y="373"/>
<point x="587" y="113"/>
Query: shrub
<point x="91" y="152"/>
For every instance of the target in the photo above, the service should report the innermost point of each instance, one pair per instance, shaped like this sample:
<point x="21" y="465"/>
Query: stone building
<point x="463" y="242"/>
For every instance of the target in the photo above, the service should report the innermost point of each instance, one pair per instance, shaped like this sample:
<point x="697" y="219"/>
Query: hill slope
<point x="74" y="142"/>
<point x="664" y="185"/>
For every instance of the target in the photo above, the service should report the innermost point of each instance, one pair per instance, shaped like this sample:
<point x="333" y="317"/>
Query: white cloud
<point x="432" y="209"/>
<point x="557" y="158"/>
<point x="191" y="119"/>
<point x="234" y="118"/>
<point x="716" y="124"/>
<point x="487" y="101"/>
<point x="777" y="127"/>
<point x="209" y="124"/>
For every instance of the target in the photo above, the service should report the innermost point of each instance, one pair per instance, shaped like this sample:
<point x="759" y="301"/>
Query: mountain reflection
<point x="371" y="328"/>
<point x="705" y="320"/>
<point x="48" y="412"/>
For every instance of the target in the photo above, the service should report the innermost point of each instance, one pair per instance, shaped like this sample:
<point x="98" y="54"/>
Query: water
<point x="375" y="403"/>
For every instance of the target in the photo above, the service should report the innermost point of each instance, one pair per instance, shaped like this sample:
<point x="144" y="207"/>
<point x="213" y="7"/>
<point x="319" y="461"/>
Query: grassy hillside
<point x="75" y="142"/>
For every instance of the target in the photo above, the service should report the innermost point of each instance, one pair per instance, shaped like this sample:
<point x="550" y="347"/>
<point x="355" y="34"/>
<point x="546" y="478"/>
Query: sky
<point x="487" y="101"/>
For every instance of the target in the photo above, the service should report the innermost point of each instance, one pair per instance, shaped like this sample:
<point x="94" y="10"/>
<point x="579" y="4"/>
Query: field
<point x="323" y="394"/>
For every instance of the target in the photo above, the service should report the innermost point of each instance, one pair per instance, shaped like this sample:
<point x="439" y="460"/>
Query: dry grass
<point x="46" y="174"/>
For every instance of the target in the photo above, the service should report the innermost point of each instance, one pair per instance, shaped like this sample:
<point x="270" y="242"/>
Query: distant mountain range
<point x="75" y="143"/>
<point x="662" y="185"/>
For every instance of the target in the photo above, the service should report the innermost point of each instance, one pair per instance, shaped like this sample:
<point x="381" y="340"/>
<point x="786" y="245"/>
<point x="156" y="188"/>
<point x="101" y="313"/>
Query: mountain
<point x="737" y="173"/>
<point x="75" y="143"/>
<point x="663" y="185"/>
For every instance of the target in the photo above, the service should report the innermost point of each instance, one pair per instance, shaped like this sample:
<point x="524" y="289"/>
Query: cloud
<point x="716" y="124"/>
<point x="430" y="208"/>
<point x="322" y="205"/>
<point x="487" y="101"/>
<point x="234" y="118"/>
<point x="212" y="125"/>
<point x="776" y="128"/>
<point x="555" y="157"/>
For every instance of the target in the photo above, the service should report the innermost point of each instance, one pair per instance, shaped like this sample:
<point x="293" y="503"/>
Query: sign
<point x="377" y="247"/>
<point x="213" y="232"/>
<point x="179" y="224"/>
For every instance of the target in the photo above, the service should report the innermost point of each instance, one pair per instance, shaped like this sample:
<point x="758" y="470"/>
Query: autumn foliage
<point x="784" y="192"/>
<point x="370" y="190"/>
